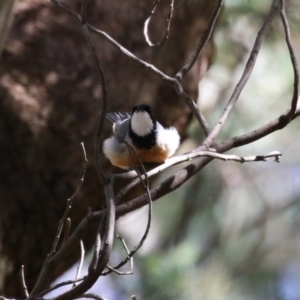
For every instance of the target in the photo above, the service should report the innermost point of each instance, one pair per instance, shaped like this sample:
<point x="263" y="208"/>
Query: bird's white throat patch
<point x="141" y="123"/>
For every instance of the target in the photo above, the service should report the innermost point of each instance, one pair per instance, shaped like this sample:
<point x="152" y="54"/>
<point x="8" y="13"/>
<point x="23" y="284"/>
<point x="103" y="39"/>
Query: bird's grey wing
<point x="117" y="117"/>
<point x="121" y="129"/>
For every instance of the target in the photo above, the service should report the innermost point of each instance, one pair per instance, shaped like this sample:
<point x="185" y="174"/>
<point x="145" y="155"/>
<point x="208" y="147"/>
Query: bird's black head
<point x="142" y="127"/>
<point x="142" y="107"/>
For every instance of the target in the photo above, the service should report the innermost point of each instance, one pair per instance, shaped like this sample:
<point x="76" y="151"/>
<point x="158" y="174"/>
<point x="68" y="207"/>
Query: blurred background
<point x="232" y="231"/>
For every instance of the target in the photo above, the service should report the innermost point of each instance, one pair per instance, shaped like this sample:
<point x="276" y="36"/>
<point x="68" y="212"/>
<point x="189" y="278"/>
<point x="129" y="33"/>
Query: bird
<point x="140" y="132"/>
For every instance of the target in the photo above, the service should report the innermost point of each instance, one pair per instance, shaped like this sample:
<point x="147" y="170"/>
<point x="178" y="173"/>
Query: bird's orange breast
<point x="156" y="154"/>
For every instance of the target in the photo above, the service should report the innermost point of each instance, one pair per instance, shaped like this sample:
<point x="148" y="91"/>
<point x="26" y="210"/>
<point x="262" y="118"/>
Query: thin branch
<point x="175" y="181"/>
<point x="204" y="38"/>
<point x="145" y="181"/>
<point x="82" y="251"/>
<point x="169" y="19"/>
<point x="70" y="201"/>
<point x="113" y="270"/>
<point x="97" y="247"/>
<point x="187" y="157"/>
<point x="56" y="287"/>
<point x="69" y="12"/>
<point x="98" y="142"/>
<point x="140" y="244"/>
<point x="128" y="255"/>
<point x="244" y="79"/>
<point x="293" y="59"/>
<point x="23" y="282"/>
<point x="105" y="252"/>
<point x="86" y="31"/>
<point x="67" y="230"/>
<point x="257" y="134"/>
<point x="44" y="275"/>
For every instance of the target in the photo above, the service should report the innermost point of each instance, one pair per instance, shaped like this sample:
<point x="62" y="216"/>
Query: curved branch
<point x="146" y="24"/>
<point x="244" y="79"/>
<point x="285" y="23"/>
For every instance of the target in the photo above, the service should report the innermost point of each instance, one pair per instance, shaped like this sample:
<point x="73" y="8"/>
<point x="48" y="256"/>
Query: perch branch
<point x="187" y="157"/>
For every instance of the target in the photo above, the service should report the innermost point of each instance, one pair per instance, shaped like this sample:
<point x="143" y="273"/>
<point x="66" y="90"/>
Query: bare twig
<point x="70" y="202"/>
<point x="81" y="261"/>
<point x="187" y="157"/>
<point x="204" y="38"/>
<point x="145" y="181"/>
<point x="285" y="23"/>
<point x="97" y="247"/>
<point x="23" y="282"/>
<point x="105" y="252"/>
<point x="70" y="13"/>
<point x="128" y="255"/>
<point x="113" y="270"/>
<point x="86" y="31"/>
<point x="169" y="19"/>
<point x="140" y="244"/>
<point x="44" y="275"/>
<point x="172" y="183"/>
<point x="56" y="286"/>
<point x="67" y="230"/>
<point x="246" y="74"/>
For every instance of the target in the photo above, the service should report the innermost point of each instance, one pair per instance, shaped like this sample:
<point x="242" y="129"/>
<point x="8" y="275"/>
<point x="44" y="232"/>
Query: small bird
<point x="140" y="131"/>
